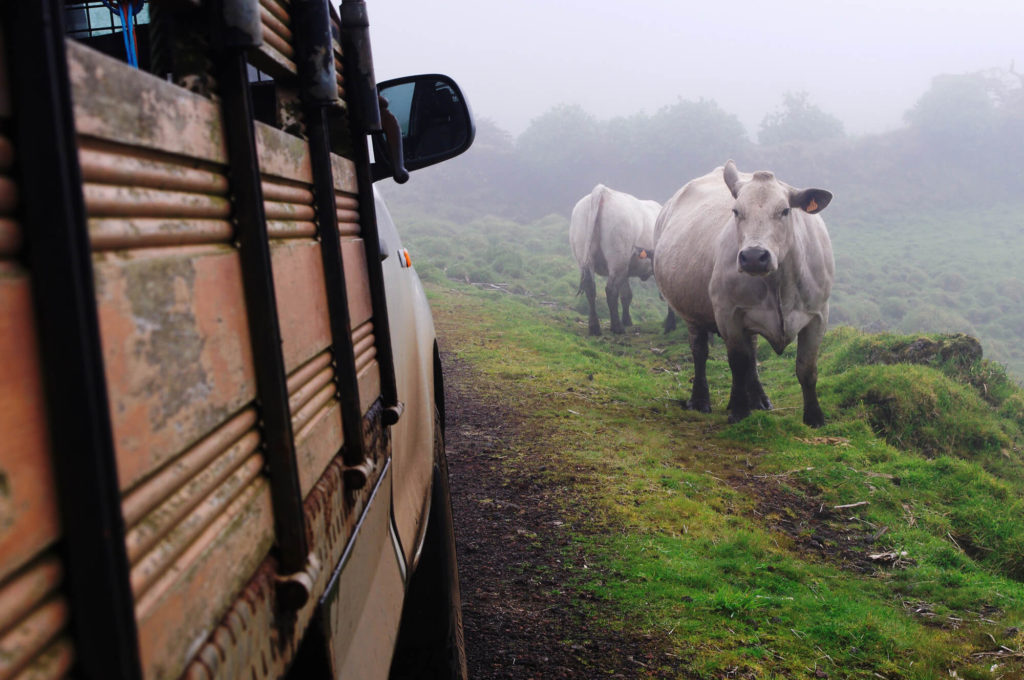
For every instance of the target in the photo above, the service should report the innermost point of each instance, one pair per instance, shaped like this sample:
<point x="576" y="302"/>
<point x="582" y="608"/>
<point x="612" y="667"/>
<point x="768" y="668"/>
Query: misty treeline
<point x="962" y="144"/>
<point x="927" y="223"/>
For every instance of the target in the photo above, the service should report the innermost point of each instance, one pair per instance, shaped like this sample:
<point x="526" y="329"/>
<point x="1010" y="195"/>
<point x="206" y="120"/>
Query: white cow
<point x="745" y="255"/>
<point x="612" y="234"/>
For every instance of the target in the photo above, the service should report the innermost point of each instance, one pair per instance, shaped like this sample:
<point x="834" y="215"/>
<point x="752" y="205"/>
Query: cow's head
<point x="641" y="262"/>
<point x="763" y="213"/>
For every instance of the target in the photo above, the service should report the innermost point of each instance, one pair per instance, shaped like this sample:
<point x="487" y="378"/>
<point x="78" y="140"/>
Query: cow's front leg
<point x="611" y="290"/>
<point x="626" y="297"/>
<point x="743" y="364"/>
<point x="755" y="390"/>
<point x="700" y="396"/>
<point x="590" y="289"/>
<point x="808" y="342"/>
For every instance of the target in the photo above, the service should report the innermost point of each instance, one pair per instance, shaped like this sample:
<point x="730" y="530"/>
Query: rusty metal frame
<point x="265" y="333"/>
<point x="364" y="119"/>
<point x="311" y="22"/>
<point x="60" y="264"/>
<point x="346" y="377"/>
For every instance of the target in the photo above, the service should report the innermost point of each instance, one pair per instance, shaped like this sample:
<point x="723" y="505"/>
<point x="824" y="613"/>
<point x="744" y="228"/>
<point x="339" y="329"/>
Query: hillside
<point x="890" y="543"/>
<point x="906" y="271"/>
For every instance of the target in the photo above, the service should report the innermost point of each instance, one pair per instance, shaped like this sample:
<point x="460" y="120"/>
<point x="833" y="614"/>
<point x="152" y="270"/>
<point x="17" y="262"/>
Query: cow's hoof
<point x="618" y="330"/>
<point x="699" y="405"/>
<point x="761" y="403"/>
<point x="814" y="419"/>
<point x="737" y="416"/>
<point x="627" y="321"/>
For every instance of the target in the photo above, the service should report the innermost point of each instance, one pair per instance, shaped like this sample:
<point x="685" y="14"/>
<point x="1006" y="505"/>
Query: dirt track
<point x="521" y="617"/>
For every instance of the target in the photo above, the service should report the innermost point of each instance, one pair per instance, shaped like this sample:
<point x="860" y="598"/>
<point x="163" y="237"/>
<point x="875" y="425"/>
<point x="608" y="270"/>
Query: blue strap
<point x="126" y="10"/>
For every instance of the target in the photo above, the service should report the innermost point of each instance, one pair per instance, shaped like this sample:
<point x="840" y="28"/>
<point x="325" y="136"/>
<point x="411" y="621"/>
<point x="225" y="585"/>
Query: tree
<point x="958" y="107"/>
<point x="798" y="120"/>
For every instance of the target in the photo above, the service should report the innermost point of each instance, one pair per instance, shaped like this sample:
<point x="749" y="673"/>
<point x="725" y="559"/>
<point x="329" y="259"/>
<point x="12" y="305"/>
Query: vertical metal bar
<point x="312" y="29"/>
<point x="347" y="379"/>
<point x="59" y="259"/>
<point x="364" y="117"/>
<point x="261" y="305"/>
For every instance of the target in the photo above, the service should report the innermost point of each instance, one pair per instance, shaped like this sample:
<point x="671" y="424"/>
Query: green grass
<point x="700" y="530"/>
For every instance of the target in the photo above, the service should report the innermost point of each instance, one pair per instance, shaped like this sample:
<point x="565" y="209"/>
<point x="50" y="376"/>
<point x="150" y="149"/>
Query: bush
<point x="919" y="408"/>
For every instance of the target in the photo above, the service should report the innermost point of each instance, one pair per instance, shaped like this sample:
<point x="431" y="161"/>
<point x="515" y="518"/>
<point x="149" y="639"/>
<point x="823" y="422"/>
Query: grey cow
<point x="612" y="234"/>
<point x="746" y="255"/>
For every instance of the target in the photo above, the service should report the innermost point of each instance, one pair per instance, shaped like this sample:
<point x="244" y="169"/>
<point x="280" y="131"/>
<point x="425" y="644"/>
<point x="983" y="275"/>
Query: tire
<point x="430" y="640"/>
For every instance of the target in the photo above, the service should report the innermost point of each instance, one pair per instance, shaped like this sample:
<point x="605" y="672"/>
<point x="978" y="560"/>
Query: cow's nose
<point x="755" y="260"/>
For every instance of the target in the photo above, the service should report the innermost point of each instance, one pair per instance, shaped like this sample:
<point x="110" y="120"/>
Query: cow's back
<point x="606" y="224"/>
<point x="686" y="233"/>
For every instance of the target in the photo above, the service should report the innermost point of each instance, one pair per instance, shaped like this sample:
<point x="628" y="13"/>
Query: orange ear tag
<point x="643" y="254"/>
<point x="812" y="206"/>
<point x="408" y="260"/>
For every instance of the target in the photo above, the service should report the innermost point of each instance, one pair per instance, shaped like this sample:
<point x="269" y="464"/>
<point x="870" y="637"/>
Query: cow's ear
<point x="732" y="178"/>
<point x="811" y="201"/>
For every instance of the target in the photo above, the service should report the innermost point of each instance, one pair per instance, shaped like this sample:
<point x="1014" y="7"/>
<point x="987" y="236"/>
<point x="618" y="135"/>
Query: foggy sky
<point x="865" y="62"/>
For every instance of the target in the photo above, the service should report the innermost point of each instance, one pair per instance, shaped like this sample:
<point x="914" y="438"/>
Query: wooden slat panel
<point x="148" y="568"/>
<point x="122" y="233"/>
<point x="19" y="645"/>
<point x="10" y="230"/>
<point x="183" y="607"/>
<point x="230" y="653"/>
<point x="175" y="347"/>
<point x="344" y="172"/>
<point x="316" y="418"/>
<point x="307" y="394"/>
<point x="24" y="591"/>
<point x="301" y="300"/>
<point x="52" y="663"/>
<point x="279" y="30"/>
<point x="139" y="198"/>
<point x="280" y="9"/>
<point x="158" y="115"/>
<point x="357" y="280"/>
<point x="107" y="163"/>
<point x="146" y="497"/>
<point x="317" y="443"/>
<point x="369" y="385"/>
<point x="283" y="155"/>
<point x="169" y="515"/>
<point x="104" y="200"/>
<point x="29" y="506"/>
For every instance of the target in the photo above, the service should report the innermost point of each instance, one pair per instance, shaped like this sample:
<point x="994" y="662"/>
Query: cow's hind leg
<point x="670" y="321"/>
<point x="700" y="396"/>
<point x="626" y="297"/>
<point x="611" y="290"/>
<point x="808" y="342"/>
<point x="588" y="286"/>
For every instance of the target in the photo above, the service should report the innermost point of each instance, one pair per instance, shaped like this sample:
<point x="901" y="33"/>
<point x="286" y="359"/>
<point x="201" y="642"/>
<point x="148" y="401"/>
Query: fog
<point x="865" y="62"/>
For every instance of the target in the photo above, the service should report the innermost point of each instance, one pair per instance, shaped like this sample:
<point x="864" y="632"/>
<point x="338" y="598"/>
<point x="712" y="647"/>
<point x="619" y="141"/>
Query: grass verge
<point x="887" y="544"/>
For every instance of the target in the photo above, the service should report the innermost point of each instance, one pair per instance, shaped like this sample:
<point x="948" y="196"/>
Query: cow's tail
<point x="593" y="230"/>
<point x="592" y="239"/>
<point x="586" y="276"/>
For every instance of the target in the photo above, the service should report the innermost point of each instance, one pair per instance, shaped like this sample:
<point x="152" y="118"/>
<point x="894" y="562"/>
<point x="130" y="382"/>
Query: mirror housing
<point x="434" y="120"/>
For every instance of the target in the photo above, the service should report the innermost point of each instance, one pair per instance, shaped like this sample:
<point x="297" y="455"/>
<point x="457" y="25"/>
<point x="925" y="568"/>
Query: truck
<point x="221" y="399"/>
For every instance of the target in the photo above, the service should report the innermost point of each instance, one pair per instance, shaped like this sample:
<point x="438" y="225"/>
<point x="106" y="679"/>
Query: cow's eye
<point x="785" y="212"/>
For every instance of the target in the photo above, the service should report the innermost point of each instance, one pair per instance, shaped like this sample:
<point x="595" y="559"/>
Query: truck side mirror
<point x="433" y="117"/>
